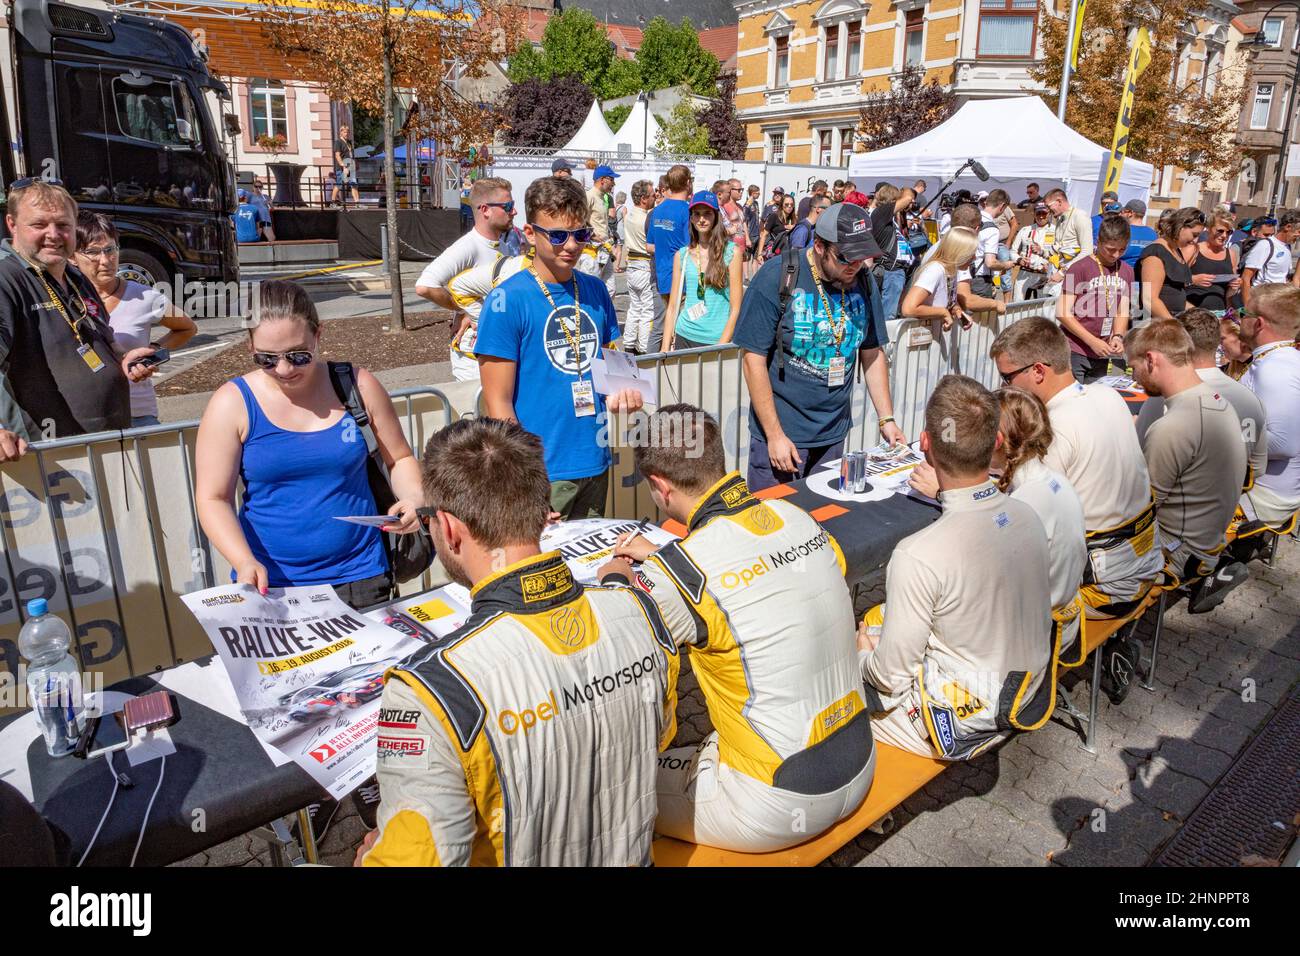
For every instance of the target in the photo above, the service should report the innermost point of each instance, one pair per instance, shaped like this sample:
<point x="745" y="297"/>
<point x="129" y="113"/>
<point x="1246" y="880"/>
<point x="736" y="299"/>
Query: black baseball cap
<point x="849" y="228"/>
<point x="560" y="165"/>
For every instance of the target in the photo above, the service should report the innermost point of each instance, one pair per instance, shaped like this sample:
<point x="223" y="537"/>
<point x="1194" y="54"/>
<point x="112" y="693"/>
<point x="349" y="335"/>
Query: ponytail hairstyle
<point x="1026" y="430"/>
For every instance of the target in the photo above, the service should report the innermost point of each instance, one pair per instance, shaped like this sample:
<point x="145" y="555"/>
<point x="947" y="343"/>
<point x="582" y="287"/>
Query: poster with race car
<point x="308" y="672"/>
<point x="588" y="543"/>
<point x="428" y="615"/>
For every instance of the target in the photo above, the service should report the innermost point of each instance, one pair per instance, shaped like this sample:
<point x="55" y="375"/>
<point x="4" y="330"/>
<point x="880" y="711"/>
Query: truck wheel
<point x="142" y="267"/>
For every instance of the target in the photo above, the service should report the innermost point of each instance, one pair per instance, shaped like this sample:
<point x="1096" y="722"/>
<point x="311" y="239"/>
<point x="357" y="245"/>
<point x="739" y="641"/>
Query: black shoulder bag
<point x="408" y="554"/>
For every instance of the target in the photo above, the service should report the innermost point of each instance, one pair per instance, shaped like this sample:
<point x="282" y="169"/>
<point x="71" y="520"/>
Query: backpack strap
<point x="496" y="269"/>
<point x="344" y="379"/>
<point x="789" y="278"/>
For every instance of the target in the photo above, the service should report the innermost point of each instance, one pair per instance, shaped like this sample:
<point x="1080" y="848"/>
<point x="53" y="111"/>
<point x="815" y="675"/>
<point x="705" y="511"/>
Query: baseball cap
<point x="560" y="165"/>
<point x="705" y="198"/>
<point x="1041" y="207"/>
<point x="243" y="194"/>
<point x="848" y="227"/>
<point x="778" y="191"/>
<point x="603" y="171"/>
<point x="1136" y="206"/>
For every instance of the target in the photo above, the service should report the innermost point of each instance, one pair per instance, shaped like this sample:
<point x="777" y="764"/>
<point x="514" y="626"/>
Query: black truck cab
<point x="114" y="106"/>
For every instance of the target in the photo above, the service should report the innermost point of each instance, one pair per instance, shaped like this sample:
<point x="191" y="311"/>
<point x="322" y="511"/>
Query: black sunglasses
<point x="1008" y="376"/>
<point x="269" y="360"/>
<point x="32" y="181"/>
<point x="560" y="237"/>
<point x="835" y="251"/>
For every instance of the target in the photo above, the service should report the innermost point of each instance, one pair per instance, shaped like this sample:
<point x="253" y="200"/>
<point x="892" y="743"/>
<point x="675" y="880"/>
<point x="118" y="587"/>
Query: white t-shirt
<point x="1274" y="376"/>
<point x="963" y="275"/>
<point x="1271" y="259"/>
<point x="933" y="279"/>
<point x="468" y="251"/>
<point x="139" y="310"/>
<point x="988" y="243"/>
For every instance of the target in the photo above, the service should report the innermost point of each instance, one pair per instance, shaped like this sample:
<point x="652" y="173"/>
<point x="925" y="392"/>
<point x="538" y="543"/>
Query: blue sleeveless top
<point x="294" y="483"/>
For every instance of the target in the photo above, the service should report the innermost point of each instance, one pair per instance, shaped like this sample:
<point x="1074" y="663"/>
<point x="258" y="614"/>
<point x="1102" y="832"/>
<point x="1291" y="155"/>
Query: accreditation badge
<point x="93" y="361"/>
<point x="584" y="398"/>
<point x="837" y="371"/>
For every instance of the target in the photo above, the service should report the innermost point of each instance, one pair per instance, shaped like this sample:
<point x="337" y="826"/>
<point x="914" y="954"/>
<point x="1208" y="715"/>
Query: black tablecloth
<point x="219" y="783"/>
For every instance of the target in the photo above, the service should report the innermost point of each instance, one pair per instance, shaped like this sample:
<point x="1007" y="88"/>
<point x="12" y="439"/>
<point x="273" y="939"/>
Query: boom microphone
<point x="980" y="172"/>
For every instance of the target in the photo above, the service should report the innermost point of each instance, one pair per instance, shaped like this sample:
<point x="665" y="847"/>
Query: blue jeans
<point x="891" y="290"/>
<point x="763" y="475"/>
<point x="140" y="421"/>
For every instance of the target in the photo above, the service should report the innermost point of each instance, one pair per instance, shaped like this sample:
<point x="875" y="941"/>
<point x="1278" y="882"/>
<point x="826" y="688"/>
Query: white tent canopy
<point x="1018" y="140"/>
<point x="640" y="131"/>
<point x="594" y="136"/>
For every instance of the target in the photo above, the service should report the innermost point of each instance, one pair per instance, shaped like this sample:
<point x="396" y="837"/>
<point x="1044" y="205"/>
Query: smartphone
<point x="162" y="355"/>
<point x="103" y="734"/>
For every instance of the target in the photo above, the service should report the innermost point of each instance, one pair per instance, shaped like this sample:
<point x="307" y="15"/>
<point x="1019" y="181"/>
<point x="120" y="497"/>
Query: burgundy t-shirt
<point x="1097" y="293"/>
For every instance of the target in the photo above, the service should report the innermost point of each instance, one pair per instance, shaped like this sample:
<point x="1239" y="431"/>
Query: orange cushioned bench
<point x="899" y="774"/>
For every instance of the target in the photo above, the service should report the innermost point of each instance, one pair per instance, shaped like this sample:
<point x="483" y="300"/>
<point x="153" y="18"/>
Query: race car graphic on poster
<point x="308" y="672"/>
<point x="426" y="616"/>
<point x="588" y="543"/>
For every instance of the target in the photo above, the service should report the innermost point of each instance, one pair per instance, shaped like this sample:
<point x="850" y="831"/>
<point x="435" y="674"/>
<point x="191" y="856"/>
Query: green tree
<point x="616" y="115"/>
<point x="683" y="133"/>
<point x="575" y="44"/>
<point x="671" y="55"/>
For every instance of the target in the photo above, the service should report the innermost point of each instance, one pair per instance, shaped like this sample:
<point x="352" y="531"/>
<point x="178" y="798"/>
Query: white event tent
<point x="593" y="136"/>
<point x="639" y="132"/>
<point x="1018" y="140"/>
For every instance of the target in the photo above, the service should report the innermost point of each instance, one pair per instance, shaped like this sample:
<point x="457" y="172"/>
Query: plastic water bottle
<point x="53" y="678"/>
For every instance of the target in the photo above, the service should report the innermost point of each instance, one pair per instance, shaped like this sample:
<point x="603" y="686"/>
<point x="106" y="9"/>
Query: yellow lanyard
<point x="1112" y="301"/>
<point x="836" y="330"/>
<point x="58" y="303"/>
<point x="1289" y="343"/>
<point x="572" y="337"/>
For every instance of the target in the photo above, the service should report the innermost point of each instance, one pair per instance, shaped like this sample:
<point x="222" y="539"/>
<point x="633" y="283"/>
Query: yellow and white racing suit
<point x="597" y="257"/>
<point x="468" y="289"/>
<point x="756" y="591"/>
<point x="1095" y="446"/>
<point x="528" y="737"/>
<point x="968" y="646"/>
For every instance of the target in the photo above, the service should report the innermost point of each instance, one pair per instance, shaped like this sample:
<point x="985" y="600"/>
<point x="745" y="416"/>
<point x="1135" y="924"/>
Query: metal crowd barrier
<point x="104" y="527"/>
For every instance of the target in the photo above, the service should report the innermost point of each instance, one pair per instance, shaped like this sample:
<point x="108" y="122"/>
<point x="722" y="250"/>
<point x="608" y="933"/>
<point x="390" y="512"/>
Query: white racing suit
<point x="529" y="735"/>
<point x="967" y="651"/>
<point x="756" y="591"/>
<point x="1095" y="446"/>
<point x="468" y="289"/>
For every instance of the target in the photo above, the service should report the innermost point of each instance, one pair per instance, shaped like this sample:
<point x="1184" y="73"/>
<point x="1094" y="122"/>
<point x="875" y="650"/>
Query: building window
<point x="1262" y="106"/>
<point x="1007" y="28"/>
<point x="1210" y="75"/>
<point x="831" y="58"/>
<point x="913" y="37"/>
<point x="854" y="65"/>
<point x="846" y="145"/>
<point x="776" y="147"/>
<point x="1272" y="30"/>
<point x="268" y="109"/>
<point x="825" y="147"/>
<point x="781" y="74"/>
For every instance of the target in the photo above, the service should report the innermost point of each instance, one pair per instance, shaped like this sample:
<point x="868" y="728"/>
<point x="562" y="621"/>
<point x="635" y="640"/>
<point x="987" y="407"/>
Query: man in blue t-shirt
<point x="1109" y="204"/>
<point x="247" y="219"/>
<point x="538" y="332"/>
<point x="1140" y="235"/>
<point x="666" y="231"/>
<point x="800" y="367"/>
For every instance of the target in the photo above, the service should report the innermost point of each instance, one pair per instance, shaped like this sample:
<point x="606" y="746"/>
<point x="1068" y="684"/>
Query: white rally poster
<point x="588" y="543"/>
<point x="308" y="672"/>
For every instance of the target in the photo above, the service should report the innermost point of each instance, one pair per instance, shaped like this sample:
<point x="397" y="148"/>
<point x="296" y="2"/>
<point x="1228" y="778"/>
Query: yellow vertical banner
<point x="1137" y="62"/>
<point x="1078" y="35"/>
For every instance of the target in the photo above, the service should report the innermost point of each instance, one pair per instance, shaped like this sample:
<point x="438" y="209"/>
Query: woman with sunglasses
<point x="133" y="309"/>
<point x="285" y="433"/>
<point x="777" y="229"/>
<point x="1166" y="265"/>
<point x="705" y="300"/>
<point x="1214" y="270"/>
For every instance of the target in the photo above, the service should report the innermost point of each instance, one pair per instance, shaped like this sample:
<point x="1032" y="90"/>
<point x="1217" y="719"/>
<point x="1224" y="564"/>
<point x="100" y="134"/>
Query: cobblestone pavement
<point x="1041" y="799"/>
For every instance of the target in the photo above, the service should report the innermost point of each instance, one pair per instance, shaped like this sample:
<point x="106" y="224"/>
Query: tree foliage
<point x="616" y="116"/>
<point x="362" y="52"/>
<point x="727" y="137"/>
<point x="672" y="55"/>
<point x="1171" y="123"/>
<point x="575" y="44"/>
<point x="912" y="107"/>
<point x="683" y="133"/>
<point x="544" y="113"/>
